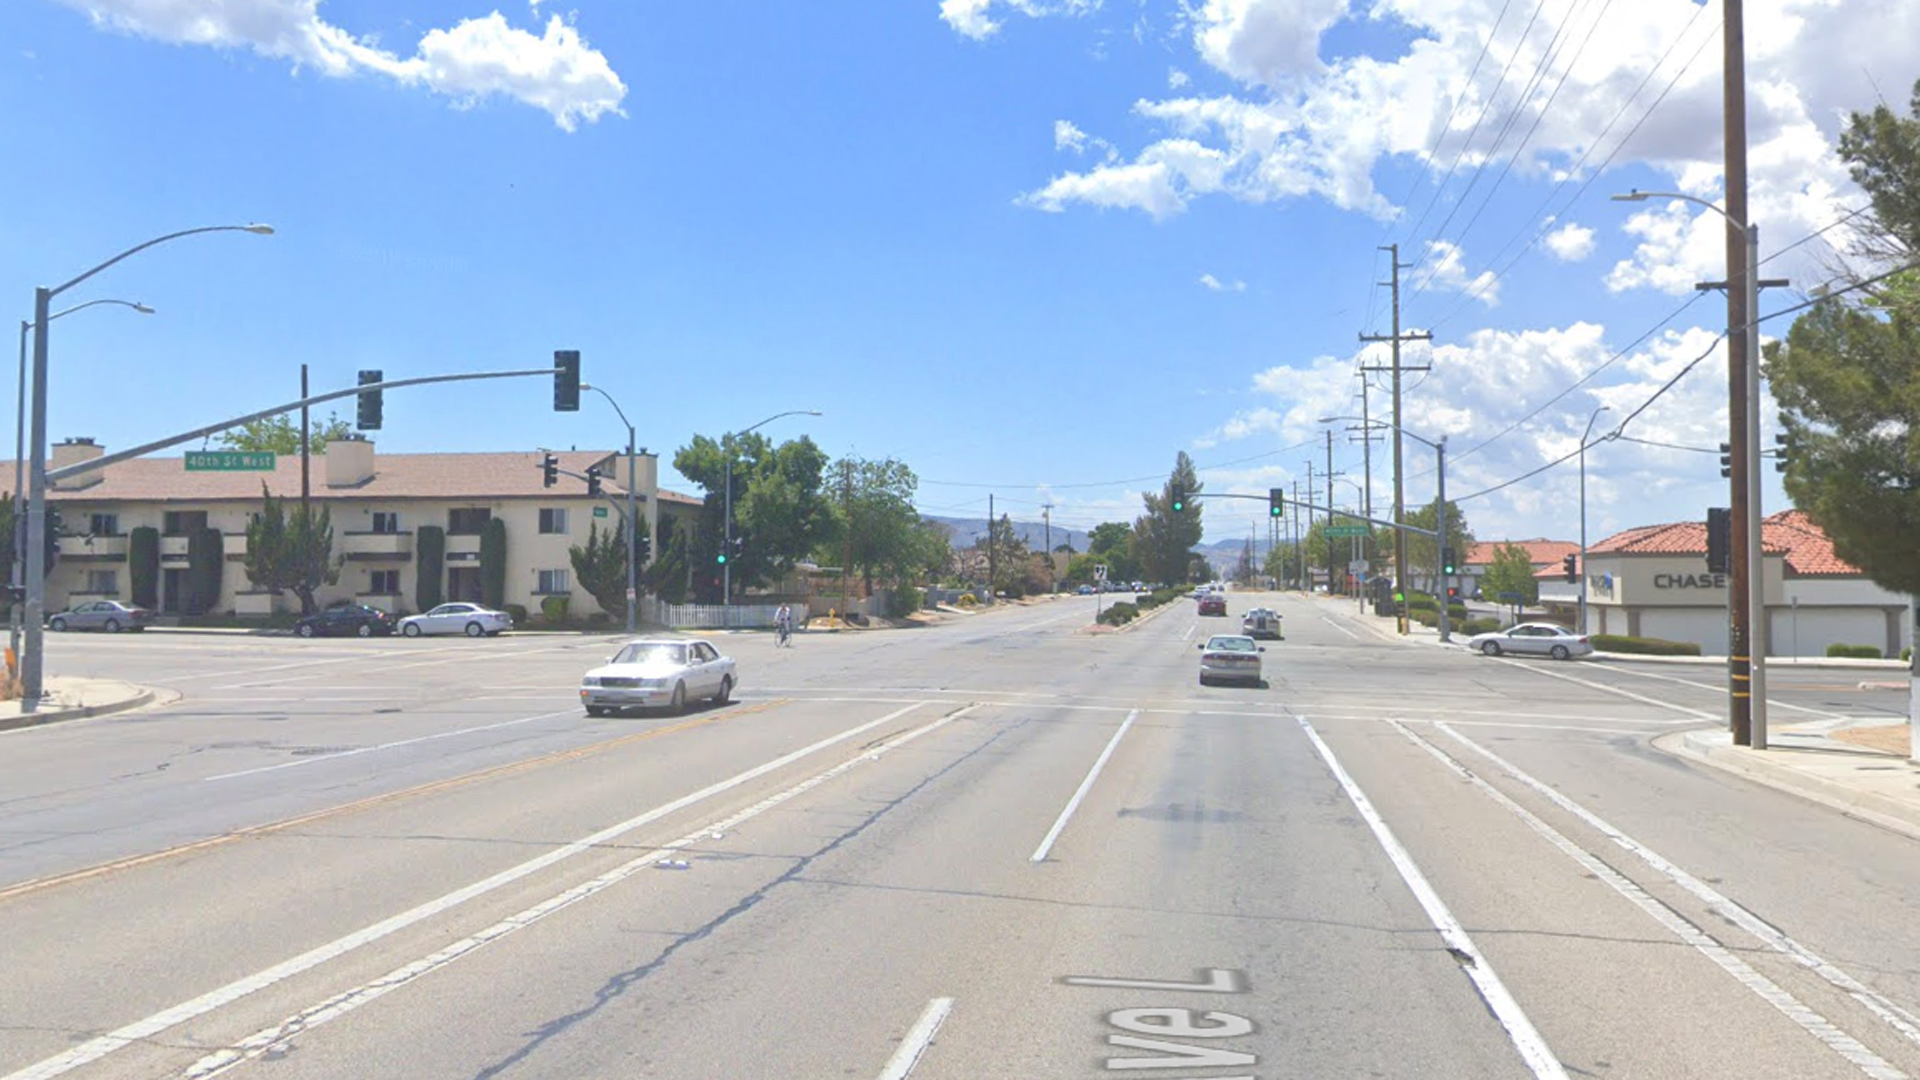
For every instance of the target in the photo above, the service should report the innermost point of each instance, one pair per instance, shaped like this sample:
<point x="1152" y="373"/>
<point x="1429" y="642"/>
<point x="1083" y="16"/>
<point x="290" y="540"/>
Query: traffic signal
<point x="369" y="418"/>
<point x="1784" y="450"/>
<point x="1571" y="565"/>
<point x="55" y="527"/>
<point x="1719" y="540"/>
<point x="593" y="480"/>
<point x="1446" y="561"/>
<point x="1726" y="460"/>
<point x="1453" y="592"/>
<point x="1177" y="497"/>
<point x="642" y="546"/>
<point x="566" y="380"/>
<point x="549" y="470"/>
<point x="1276" y="502"/>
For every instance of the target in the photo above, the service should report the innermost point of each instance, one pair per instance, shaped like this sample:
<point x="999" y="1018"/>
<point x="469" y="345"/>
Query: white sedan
<point x="1230" y="656"/>
<point x="658" y="671"/>
<point x="1538" y="639"/>
<point x="469" y="619"/>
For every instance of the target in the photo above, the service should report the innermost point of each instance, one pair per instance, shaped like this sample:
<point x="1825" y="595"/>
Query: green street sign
<point x="599" y="511"/>
<point x="1348" y="530"/>
<point x="229" y="461"/>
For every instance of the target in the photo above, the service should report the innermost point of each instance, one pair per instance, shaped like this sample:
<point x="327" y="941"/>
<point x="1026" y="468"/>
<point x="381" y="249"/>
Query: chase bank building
<point x="1652" y="581"/>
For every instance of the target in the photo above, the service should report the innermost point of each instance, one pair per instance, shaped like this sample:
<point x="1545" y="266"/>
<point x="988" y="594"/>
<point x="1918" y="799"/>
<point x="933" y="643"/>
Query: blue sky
<point x="1027" y="246"/>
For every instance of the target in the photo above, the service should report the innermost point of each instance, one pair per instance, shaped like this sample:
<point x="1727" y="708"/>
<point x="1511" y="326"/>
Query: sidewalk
<point x="1857" y="766"/>
<point x="74" y="698"/>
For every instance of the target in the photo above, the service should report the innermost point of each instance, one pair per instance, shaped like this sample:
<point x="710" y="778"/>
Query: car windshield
<point x="1230" y="644"/>
<point x="653" y="653"/>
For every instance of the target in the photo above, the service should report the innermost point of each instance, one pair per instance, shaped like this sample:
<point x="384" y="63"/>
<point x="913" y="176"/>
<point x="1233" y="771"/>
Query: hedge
<point x="1480" y="625"/>
<point x="429" y="559"/>
<point x="1646" y="646"/>
<point x="143" y="565"/>
<point x="1854" y="652"/>
<point x="1119" y="613"/>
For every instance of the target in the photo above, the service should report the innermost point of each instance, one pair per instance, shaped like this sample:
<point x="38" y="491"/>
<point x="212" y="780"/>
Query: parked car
<point x="1261" y="623"/>
<point x="658" y="671"/>
<point x="1084" y="590"/>
<point x="1213" y="604"/>
<point x="457" y="618"/>
<point x="1539" y="639"/>
<point x="348" y="620"/>
<point x="109" y="615"/>
<point x="1234" y="657"/>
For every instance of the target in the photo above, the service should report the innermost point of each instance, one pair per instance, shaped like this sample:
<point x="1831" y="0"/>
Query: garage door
<point x="1705" y="627"/>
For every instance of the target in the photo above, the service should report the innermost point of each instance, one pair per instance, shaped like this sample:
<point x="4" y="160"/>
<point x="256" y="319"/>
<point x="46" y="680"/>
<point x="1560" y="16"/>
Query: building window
<point x="552" y="581"/>
<point x="386" y="521"/>
<point x="384" y="583"/>
<point x="553" y="520"/>
<point x="468" y="521"/>
<point x="103" y="525"/>
<point x="104" y="582"/>
<point x="183" y="522"/>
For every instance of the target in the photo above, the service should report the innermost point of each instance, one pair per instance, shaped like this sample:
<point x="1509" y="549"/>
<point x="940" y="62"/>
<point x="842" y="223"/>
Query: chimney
<point x="72" y="452"/>
<point x="349" y="461"/>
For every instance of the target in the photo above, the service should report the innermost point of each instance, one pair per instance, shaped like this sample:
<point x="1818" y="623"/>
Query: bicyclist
<point x="783" y="624"/>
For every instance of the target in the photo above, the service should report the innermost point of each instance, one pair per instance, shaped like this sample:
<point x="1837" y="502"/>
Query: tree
<point x="291" y="551"/>
<point x="9" y="535"/>
<point x="780" y="510"/>
<point x="493" y="563"/>
<point x="1008" y="557"/>
<point x="875" y="513"/>
<point x="280" y="435"/>
<point x="429" y="560"/>
<point x="1511" y="571"/>
<point x="1243" y="569"/>
<point x="1111" y="543"/>
<point x="1847" y="376"/>
<point x="1422" y="553"/>
<point x="601" y="567"/>
<point x="206" y="565"/>
<point x="143" y="565"/>
<point x="1162" y="539"/>
<point x="668" y="575"/>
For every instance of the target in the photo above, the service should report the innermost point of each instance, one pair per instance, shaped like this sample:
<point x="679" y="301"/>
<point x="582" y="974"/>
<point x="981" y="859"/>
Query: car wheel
<point x="597" y="710"/>
<point x="474" y="629"/>
<point x="366" y="630"/>
<point x="726" y="691"/>
<point x="1491" y="648"/>
<point x="58" y="626"/>
<point x="679" y="697"/>
<point x="304" y="630"/>
<point x="112" y="626"/>
<point x="1560" y="652"/>
<point x="411" y="630"/>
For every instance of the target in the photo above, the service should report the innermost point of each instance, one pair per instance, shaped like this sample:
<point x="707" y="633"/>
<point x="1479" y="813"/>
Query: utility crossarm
<point x="1319" y="510"/>
<point x="101" y="462"/>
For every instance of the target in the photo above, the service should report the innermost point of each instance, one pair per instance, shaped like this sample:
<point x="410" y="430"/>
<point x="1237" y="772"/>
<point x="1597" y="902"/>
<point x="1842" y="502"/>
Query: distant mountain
<point x="1033" y="532"/>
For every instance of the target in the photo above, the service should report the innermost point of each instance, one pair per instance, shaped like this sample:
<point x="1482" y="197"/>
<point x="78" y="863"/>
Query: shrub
<point x="518" y="612"/>
<point x="553" y="608"/>
<point x="1906" y="655"/>
<point x="1424" y="616"/>
<point x="1620" y="643"/>
<point x="1854" y="652"/>
<point x="493" y="563"/>
<point x="904" y="600"/>
<point x="143" y="565"/>
<point x="1119" y="613"/>
<point x="429" y="559"/>
<point x="966" y="601"/>
<point x="599" y="618"/>
<point x="1480" y="626"/>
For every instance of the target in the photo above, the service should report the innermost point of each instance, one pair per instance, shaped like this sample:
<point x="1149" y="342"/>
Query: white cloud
<point x="1240" y="426"/>
<point x="1068" y="137"/>
<point x="1264" y="41"/>
<point x="972" y="18"/>
<point x="1216" y="285"/>
<point x="1445" y="269"/>
<point x="1148" y="186"/>
<point x="556" y="71"/>
<point x="1176" y="78"/>
<point x="1570" y="242"/>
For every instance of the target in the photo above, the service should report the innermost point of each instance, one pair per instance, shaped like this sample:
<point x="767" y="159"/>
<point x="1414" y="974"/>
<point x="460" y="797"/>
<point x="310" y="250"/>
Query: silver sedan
<point x="1533" y="639"/>
<point x="1232" y="657"/>
<point x="658" y="671"/>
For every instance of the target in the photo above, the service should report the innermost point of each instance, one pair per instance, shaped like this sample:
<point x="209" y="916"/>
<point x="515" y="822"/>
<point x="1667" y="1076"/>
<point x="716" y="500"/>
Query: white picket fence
<point x="707" y="616"/>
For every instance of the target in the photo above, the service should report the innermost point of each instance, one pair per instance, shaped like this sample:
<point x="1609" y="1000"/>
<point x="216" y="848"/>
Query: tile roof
<point x="1791" y="534"/>
<point x="1540" y="552"/>
<point x="502" y="475"/>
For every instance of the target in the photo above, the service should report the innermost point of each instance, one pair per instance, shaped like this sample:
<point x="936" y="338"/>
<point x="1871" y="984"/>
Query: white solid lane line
<point x="1060" y="823"/>
<point x="1189" y="633"/>
<point x="1526" y="1039"/>
<point x="1906" y="1023"/>
<point x="268" y="1039"/>
<point x="317" y="758"/>
<point x="147" y="1027"/>
<point x="1766" y="989"/>
<point x="1329" y="621"/>
<point x="900" y="1066"/>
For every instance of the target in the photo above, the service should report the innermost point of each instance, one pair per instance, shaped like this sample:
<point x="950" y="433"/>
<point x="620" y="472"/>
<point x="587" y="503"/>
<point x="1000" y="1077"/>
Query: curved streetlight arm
<point x="1642" y="196"/>
<point x="1383" y="424"/>
<point x="135" y="305"/>
<point x="616" y="407"/>
<point x="259" y="230"/>
<point x="776" y="416"/>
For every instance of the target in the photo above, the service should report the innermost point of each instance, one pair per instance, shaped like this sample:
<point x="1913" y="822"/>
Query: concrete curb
<point x="146" y="696"/>
<point x="1833" y="663"/>
<point x="1895" y="814"/>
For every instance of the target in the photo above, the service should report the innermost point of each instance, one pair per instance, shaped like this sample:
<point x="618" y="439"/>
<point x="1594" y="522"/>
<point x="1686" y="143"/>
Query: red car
<point x="1213" y="604"/>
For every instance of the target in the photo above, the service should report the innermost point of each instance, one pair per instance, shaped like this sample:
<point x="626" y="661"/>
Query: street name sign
<point x="1340" y="531"/>
<point x="230" y="461"/>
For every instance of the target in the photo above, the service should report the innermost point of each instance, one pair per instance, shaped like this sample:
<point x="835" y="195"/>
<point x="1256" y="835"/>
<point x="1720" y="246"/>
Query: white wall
<point x="1705" y="626"/>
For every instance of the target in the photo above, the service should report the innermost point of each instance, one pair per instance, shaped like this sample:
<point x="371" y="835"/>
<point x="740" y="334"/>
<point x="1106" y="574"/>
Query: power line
<point x="1130" y="480"/>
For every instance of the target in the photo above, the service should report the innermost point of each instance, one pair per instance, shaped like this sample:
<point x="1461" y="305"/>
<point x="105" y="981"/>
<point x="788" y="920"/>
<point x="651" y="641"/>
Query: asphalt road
<point x="1002" y="847"/>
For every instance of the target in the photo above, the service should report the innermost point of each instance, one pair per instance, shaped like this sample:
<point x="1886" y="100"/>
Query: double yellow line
<point x="132" y="861"/>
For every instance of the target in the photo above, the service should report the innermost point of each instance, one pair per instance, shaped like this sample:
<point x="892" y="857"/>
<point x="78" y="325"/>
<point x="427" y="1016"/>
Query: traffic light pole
<point x="1440" y="544"/>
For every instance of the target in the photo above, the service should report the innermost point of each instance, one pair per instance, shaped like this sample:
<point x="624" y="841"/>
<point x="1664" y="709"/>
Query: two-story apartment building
<point x="377" y="504"/>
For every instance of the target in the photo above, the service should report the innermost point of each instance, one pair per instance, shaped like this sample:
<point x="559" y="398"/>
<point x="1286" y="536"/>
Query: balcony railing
<point x="99" y="547"/>
<point x="372" y="545"/>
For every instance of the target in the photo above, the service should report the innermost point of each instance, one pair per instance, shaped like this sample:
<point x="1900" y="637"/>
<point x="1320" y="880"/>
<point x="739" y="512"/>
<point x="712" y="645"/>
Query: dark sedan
<point x="346" y="620"/>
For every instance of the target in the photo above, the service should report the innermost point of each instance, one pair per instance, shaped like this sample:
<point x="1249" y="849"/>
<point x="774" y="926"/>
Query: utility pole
<point x="1329" y="511"/>
<point x="990" y="551"/>
<point x="1046" y="518"/>
<point x="306" y="455"/>
<point x="1399" y="478"/>
<point x="1305" y="565"/>
<point x="1293" y="545"/>
<point x="1741" y="638"/>
<point x="846" y="559"/>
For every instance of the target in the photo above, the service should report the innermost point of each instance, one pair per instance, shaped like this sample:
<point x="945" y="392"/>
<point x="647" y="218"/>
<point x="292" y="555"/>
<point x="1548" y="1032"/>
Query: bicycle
<point x="783" y="636"/>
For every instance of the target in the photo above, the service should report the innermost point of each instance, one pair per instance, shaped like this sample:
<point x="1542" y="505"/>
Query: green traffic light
<point x="721" y="559"/>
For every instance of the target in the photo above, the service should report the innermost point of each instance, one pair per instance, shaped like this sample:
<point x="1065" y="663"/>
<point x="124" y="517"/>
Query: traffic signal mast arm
<point x="1315" y="507"/>
<point x="104" y="460"/>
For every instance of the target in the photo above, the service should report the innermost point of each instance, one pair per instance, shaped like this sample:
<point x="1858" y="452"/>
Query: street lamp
<point x="1439" y="522"/>
<point x="726" y="543"/>
<point x="1747" y="599"/>
<point x="633" y="522"/>
<point x="1583" y="512"/>
<point x="18" y="571"/>
<point x="32" y="662"/>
